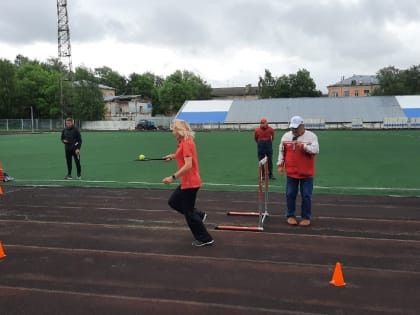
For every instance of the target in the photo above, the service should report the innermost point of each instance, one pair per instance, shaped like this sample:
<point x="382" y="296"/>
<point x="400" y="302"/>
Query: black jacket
<point x="73" y="137"/>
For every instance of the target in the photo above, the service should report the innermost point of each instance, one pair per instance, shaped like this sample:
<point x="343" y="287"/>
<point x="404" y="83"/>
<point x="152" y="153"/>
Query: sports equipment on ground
<point x="262" y="203"/>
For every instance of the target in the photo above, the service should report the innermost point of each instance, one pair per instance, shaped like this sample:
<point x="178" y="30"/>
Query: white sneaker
<point x="8" y="178"/>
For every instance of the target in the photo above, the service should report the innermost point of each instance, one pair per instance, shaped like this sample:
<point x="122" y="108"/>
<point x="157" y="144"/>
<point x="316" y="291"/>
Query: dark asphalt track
<point x="123" y="251"/>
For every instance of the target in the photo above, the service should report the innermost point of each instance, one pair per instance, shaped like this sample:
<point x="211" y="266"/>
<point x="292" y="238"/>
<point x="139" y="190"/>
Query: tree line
<point x="394" y="81"/>
<point x="49" y="91"/>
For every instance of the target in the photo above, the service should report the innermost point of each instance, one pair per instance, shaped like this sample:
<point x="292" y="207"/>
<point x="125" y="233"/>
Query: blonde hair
<point x="183" y="128"/>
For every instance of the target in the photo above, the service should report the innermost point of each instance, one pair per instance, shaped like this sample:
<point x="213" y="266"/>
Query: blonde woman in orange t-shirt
<point x="184" y="196"/>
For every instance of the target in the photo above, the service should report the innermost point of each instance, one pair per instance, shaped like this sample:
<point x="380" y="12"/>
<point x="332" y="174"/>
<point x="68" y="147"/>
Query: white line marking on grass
<point x="368" y="188"/>
<point x="67" y="180"/>
<point x="233" y="185"/>
<point x="214" y="184"/>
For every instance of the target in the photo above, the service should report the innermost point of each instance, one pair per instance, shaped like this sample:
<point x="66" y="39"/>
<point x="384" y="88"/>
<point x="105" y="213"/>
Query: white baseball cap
<point x="295" y="122"/>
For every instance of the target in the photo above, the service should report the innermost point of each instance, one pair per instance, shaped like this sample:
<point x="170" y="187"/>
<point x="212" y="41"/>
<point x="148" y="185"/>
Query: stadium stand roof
<point x="199" y="112"/>
<point x="410" y="105"/>
<point x="329" y="109"/>
<point x="246" y="92"/>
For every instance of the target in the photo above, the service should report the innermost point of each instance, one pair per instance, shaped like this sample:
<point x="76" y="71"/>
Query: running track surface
<point x="123" y="251"/>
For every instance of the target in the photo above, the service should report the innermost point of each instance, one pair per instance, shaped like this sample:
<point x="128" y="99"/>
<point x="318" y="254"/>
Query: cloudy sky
<point x="226" y="42"/>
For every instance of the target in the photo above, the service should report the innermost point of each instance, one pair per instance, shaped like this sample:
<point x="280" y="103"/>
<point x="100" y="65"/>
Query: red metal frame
<point x="262" y="203"/>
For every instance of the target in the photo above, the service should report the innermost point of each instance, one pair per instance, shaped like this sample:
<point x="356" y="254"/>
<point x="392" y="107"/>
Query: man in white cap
<point x="297" y="151"/>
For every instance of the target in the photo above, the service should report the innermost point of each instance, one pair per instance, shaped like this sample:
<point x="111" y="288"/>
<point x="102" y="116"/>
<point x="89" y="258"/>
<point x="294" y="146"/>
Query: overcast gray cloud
<point x="227" y="42"/>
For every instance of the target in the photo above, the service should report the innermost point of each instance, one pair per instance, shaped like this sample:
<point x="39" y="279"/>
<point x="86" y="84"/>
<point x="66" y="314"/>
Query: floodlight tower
<point x="64" y="47"/>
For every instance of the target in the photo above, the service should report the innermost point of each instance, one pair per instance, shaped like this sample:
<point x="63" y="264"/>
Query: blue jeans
<point x="306" y="188"/>
<point x="265" y="148"/>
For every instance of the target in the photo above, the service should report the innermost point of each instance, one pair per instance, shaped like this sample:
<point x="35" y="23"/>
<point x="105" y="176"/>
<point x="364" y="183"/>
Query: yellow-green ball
<point x="141" y="157"/>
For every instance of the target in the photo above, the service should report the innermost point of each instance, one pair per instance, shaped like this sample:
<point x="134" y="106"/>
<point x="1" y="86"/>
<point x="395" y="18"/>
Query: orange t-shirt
<point x="191" y="179"/>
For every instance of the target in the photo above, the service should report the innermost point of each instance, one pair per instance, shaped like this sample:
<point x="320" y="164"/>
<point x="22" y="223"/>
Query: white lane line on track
<point x="205" y="305"/>
<point x="200" y="258"/>
<point x="276" y="234"/>
<point x="105" y="225"/>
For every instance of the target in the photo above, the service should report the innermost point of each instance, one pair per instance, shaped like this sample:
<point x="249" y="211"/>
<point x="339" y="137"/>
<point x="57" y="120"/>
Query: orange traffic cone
<point x="337" y="278"/>
<point x="2" y="254"/>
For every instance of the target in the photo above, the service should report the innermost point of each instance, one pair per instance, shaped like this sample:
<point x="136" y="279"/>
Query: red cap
<point x="263" y="121"/>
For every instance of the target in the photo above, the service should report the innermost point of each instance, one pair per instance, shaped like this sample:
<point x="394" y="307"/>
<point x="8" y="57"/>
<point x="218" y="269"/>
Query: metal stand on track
<point x="262" y="203"/>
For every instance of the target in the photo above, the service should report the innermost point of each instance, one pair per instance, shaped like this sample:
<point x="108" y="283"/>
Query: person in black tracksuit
<point x="72" y="140"/>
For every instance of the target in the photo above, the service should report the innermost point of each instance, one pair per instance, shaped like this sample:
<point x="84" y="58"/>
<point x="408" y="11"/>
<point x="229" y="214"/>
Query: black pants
<point x="183" y="201"/>
<point x="69" y="155"/>
<point x="265" y="148"/>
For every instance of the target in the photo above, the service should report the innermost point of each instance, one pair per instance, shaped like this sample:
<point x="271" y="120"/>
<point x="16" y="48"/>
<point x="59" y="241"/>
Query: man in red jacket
<point x="297" y="151"/>
<point x="264" y="137"/>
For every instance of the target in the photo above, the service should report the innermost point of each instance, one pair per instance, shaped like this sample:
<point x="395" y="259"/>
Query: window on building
<point x="366" y="92"/>
<point x="356" y="93"/>
<point x="346" y="93"/>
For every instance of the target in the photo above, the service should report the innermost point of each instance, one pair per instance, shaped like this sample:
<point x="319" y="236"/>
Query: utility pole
<point x="64" y="48"/>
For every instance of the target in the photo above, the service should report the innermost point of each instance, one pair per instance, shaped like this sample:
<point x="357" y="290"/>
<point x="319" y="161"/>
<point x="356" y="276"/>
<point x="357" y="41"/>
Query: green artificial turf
<point x="350" y="162"/>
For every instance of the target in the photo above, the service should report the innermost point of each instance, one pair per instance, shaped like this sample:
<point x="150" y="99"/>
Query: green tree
<point x="7" y="88"/>
<point x="171" y="97"/>
<point x="88" y="101"/>
<point x="294" y="85"/>
<point x="302" y="85"/>
<point x="55" y="65"/>
<point x="282" y="87"/>
<point x="394" y="81"/>
<point x="141" y="84"/>
<point x="389" y="81"/>
<point x="37" y="87"/>
<point x="177" y="88"/>
<point x="21" y="60"/>
<point x="147" y="85"/>
<point x="266" y="85"/>
<point x="85" y="74"/>
<point x="108" y="77"/>
<point x="411" y="80"/>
